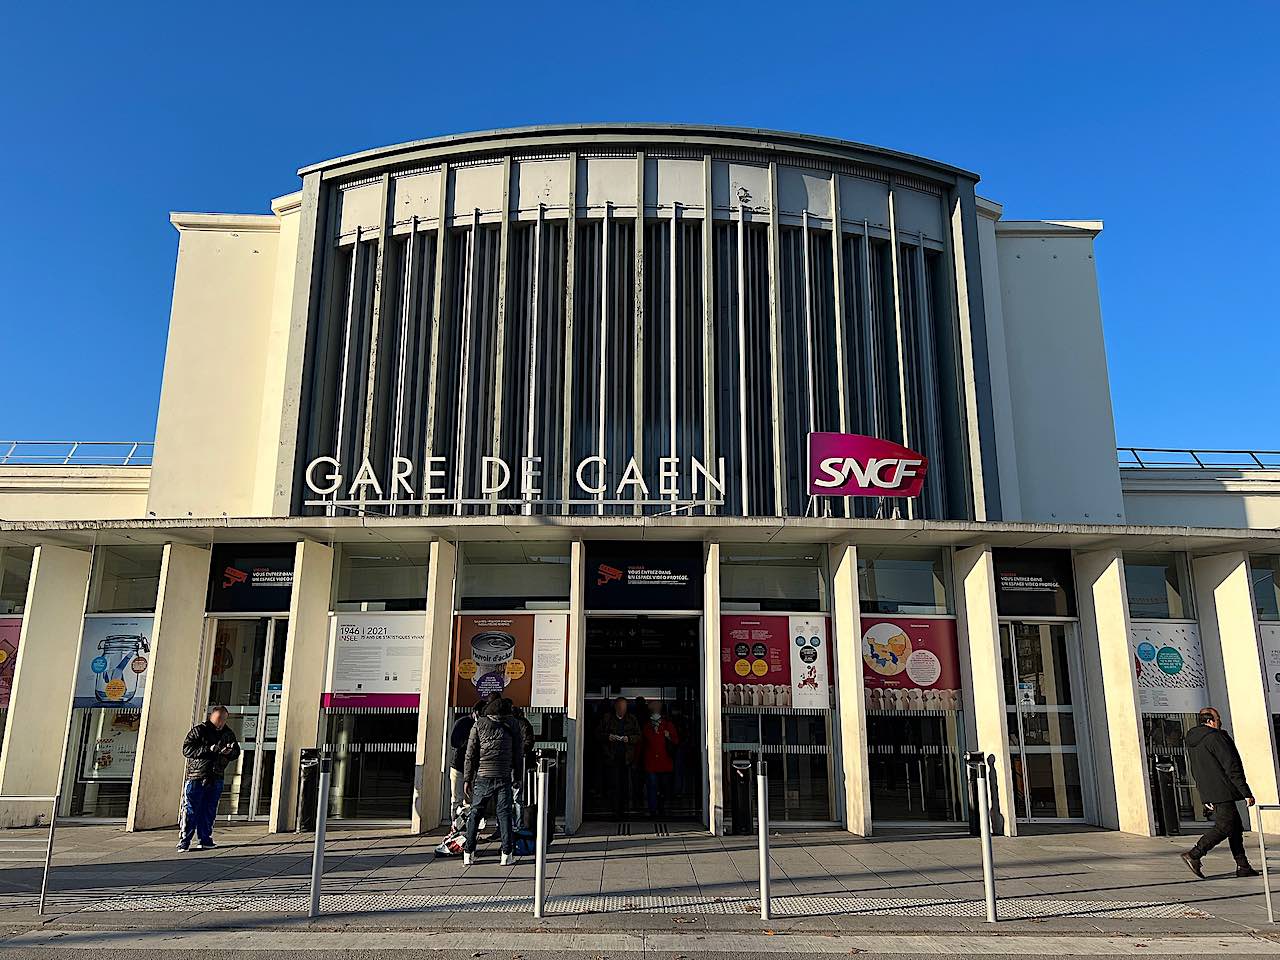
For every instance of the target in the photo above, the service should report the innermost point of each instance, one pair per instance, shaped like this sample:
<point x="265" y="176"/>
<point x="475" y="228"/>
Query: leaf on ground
<point x="686" y="919"/>
<point x="769" y="933"/>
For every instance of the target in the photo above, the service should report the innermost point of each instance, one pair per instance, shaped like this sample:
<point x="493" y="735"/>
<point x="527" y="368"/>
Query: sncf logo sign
<point x="851" y="465"/>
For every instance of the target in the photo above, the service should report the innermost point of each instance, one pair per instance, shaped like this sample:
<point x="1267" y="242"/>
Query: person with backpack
<point x="495" y="753"/>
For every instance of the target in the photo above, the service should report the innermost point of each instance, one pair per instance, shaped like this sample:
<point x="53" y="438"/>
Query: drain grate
<point x="623" y="829"/>
<point x="793" y="906"/>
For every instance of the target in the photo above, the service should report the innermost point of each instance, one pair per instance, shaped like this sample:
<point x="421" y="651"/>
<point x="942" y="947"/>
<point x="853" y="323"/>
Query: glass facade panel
<point x="1159" y="586"/>
<point x="1264" y="571"/>
<point x="904" y="580"/>
<point x="514" y="576"/>
<point x="373" y="753"/>
<point x="767" y="577"/>
<point x="15" y="574"/>
<point x="99" y="772"/>
<point x="125" y="579"/>
<point x="385" y="577"/>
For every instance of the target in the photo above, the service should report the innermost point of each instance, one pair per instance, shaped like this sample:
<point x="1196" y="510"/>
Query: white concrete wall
<point x="1059" y="399"/>
<point x="221" y="392"/>
<point x="1215" y="497"/>
<point x="42" y="492"/>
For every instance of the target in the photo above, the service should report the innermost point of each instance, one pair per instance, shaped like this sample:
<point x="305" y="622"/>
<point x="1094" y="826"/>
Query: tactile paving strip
<point x="793" y="906"/>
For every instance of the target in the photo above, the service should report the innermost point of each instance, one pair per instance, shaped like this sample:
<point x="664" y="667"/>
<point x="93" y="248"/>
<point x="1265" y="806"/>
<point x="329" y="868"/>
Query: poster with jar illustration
<point x="772" y="660"/>
<point x="522" y="656"/>
<point x="115" y="653"/>
<point x="910" y="663"/>
<point x="10" y="631"/>
<point x="1169" y="664"/>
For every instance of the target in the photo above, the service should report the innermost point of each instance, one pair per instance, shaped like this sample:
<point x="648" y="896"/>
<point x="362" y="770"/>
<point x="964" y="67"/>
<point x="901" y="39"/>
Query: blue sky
<point x="1159" y="118"/>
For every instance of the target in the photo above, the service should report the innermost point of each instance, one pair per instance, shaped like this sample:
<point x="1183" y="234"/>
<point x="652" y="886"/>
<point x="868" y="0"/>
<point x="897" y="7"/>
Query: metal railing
<point x="1170" y="457"/>
<point x="25" y="852"/>
<point x="76" y="453"/>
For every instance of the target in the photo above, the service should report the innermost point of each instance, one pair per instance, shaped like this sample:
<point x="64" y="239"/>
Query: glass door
<point x="247" y="677"/>
<point x="1042" y="692"/>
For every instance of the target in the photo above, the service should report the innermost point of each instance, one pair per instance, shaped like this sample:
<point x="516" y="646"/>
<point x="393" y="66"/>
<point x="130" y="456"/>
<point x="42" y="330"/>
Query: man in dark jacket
<point x="458" y="738"/>
<point x="209" y="748"/>
<point x="495" y="750"/>
<point x="1218" y="773"/>
<point x="619" y="735"/>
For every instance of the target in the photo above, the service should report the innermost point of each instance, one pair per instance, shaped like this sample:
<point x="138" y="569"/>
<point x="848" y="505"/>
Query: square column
<point x="433" y="706"/>
<point x="851" y="709"/>
<point x="1232" y="647"/>
<point x="35" y="737"/>
<point x="172" y="701"/>
<point x="1115" y="712"/>
<point x="979" y="624"/>
<point x="575" y="708"/>
<point x="304" y="662"/>
<point x="712" y="706"/>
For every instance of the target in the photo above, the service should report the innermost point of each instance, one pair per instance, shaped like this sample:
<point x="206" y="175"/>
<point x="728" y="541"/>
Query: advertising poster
<point x="115" y="652"/>
<point x="1271" y="662"/>
<point x="10" y="631"/>
<point x="1169" y="664"/>
<point x="910" y="663"/>
<point x="375" y="660"/>
<point x="522" y="656"/>
<point x="112" y="746"/>
<point x="775" y="661"/>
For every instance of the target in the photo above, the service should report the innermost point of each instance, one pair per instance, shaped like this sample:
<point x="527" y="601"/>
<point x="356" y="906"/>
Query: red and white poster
<point x="775" y="661"/>
<point x="10" y="631"/>
<point x="910" y="663"/>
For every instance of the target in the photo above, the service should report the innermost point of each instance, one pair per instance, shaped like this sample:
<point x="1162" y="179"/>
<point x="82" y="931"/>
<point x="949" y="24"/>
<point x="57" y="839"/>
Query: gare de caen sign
<point x="840" y="465"/>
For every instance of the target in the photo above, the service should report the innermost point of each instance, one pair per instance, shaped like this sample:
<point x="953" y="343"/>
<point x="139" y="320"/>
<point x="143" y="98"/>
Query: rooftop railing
<point x="76" y="453"/>
<point x="1169" y="457"/>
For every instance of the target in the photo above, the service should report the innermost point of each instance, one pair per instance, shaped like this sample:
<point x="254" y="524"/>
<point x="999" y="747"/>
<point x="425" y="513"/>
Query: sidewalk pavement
<point x="656" y="878"/>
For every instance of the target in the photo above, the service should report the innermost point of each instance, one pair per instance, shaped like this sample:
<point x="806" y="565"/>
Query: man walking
<point x="209" y="748"/>
<point x="495" y="750"/>
<point x="619" y="735"/>
<point x="1218" y="772"/>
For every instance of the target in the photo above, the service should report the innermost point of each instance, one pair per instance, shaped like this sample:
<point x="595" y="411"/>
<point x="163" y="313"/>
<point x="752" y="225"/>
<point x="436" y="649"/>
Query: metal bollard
<point x="762" y="818"/>
<point x="48" y="853"/>
<point x="977" y="763"/>
<point x="322" y="816"/>
<point x="1262" y="853"/>
<point x="540" y="843"/>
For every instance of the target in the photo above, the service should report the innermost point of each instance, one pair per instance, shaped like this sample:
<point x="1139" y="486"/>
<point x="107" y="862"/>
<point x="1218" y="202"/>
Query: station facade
<point x="797" y="440"/>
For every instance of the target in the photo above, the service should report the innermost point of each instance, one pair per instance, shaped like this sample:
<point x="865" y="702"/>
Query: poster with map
<point x="1169" y="663"/>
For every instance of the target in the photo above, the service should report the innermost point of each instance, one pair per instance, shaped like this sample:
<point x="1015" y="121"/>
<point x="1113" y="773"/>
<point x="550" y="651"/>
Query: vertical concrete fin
<point x="712" y="706"/>
<point x="846" y="623"/>
<point x="172" y="698"/>
<point x="433" y="707"/>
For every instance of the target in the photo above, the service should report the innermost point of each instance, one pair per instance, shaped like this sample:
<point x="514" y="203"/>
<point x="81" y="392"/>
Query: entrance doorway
<point x="1048" y="747"/>
<point x="247" y="677"/>
<point x="651" y="661"/>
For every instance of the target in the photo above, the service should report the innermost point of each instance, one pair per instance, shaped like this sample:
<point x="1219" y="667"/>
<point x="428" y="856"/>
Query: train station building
<point x="803" y="440"/>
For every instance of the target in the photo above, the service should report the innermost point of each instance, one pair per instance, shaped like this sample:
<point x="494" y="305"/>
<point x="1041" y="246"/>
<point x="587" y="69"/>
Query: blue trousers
<point x="199" y="808"/>
<point x="500" y="790"/>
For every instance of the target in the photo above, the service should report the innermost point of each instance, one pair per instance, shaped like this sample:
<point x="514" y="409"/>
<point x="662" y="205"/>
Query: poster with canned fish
<point x="10" y="631"/>
<point x="1168" y="661"/>
<point x="521" y="656"/>
<point x="910" y="663"/>
<point x="115" y="653"/>
<point x="774" y="661"/>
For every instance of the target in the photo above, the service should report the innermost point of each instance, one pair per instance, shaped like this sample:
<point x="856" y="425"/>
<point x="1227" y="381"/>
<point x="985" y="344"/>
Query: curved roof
<point x="565" y="135"/>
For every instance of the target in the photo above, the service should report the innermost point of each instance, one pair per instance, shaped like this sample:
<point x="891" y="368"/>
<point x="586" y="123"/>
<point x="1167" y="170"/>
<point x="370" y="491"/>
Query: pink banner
<point x="853" y="465"/>
<point x="910" y="663"/>
<point x="370" y="700"/>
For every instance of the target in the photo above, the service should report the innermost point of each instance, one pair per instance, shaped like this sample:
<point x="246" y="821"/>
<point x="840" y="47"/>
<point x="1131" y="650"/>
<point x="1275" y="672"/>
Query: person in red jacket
<point x="659" y="739"/>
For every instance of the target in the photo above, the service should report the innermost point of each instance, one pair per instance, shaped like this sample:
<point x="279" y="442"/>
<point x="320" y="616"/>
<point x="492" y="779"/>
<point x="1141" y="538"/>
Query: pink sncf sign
<point x="851" y="465"/>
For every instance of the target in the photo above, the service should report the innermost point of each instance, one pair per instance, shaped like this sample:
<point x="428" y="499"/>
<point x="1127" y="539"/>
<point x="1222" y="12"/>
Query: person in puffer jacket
<point x="495" y="752"/>
<point x="209" y="748"/>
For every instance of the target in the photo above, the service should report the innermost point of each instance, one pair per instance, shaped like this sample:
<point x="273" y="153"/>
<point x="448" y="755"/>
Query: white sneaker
<point x="508" y="859"/>
<point x="468" y="858"/>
